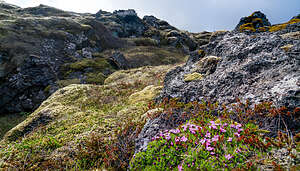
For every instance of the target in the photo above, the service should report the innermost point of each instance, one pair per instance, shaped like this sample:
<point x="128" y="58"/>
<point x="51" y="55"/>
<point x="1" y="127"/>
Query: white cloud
<point x="192" y="15"/>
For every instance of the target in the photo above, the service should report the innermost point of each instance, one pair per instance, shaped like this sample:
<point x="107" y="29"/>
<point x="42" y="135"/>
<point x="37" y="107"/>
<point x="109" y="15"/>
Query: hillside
<point x="114" y="91"/>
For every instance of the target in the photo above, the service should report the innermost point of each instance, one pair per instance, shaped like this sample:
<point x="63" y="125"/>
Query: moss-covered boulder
<point x="253" y="22"/>
<point x="55" y="132"/>
<point x="257" y="22"/>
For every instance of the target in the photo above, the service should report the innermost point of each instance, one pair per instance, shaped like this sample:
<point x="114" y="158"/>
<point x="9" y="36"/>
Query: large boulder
<point x="255" y="67"/>
<point x="255" y="21"/>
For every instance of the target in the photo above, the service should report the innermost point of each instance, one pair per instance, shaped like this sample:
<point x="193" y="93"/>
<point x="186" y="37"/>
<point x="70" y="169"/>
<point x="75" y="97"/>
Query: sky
<point x="190" y="15"/>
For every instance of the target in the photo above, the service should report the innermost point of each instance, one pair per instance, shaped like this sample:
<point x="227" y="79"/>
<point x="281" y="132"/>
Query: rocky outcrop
<point x="122" y="23"/>
<point x="254" y="67"/>
<point x="126" y="23"/>
<point x="35" y="43"/>
<point x="255" y="21"/>
<point x="258" y="22"/>
<point x="43" y="48"/>
<point x="118" y="60"/>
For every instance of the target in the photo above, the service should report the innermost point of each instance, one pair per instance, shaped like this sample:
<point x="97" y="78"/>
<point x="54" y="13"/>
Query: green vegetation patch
<point x="74" y="115"/>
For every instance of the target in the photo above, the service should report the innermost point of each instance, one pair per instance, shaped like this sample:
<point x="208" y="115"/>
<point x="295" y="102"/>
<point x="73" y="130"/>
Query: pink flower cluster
<point x="192" y="128"/>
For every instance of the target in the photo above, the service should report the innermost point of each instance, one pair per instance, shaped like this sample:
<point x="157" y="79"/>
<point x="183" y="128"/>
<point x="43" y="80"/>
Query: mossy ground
<point x="74" y="113"/>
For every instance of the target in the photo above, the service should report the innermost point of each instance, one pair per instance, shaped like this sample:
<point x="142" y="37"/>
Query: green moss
<point x="97" y="63"/>
<point x="95" y="78"/>
<point x="94" y="66"/>
<point x="147" y="94"/>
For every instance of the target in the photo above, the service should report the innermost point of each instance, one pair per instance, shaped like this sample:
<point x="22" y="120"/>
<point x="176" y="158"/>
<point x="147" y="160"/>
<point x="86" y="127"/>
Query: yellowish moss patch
<point x="147" y="94"/>
<point x="283" y="26"/>
<point x="292" y="35"/>
<point x="193" y="76"/>
<point x="286" y="48"/>
<point x="247" y="27"/>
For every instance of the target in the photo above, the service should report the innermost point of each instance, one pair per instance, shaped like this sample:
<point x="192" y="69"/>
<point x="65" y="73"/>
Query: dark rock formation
<point x="255" y="20"/>
<point x="157" y="23"/>
<point x="122" y="23"/>
<point x="34" y="47"/>
<point x="126" y="23"/>
<point x="118" y="60"/>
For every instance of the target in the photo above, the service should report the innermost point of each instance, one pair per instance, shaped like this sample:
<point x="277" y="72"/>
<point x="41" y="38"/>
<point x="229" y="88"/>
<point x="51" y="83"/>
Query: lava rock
<point x="237" y="65"/>
<point x="119" y="60"/>
<point x="255" y="21"/>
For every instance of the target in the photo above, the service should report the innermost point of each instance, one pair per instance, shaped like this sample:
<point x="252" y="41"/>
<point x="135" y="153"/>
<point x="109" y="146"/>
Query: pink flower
<point x="225" y="124"/>
<point x="193" y="131"/>
<point x="202" y="141"/>
<point x="177" y="139"/>
<point x="179" y="168"/>
<point x="209" y="148"/>
<point x="212" y="153"/>
<point x="228" y="156"/>
<point x="184" y="139"/>
<point x="238" y="126"/>
<point x="215" y="138"/>
<point x="172" y="143"/>
<point x="222" y="130"/>
<point x="237" y="134"/>
<point x="238" y="150"/>
<point x="240" y="130"/>
<point x="185" y="126"/>
<point x="175" y="131"/>
<point x="207" y="135"/>
<point x="213" y="125"/>
<point x="229" y="139"/>
<point x="232" y="126"/>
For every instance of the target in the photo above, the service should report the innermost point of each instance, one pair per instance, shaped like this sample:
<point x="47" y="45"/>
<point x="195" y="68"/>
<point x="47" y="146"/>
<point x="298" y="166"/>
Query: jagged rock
<point x="123" y="23"/>
<point x="119" y="60"/>
<point x="255" y="21"/>
<point x="157" y="23"/>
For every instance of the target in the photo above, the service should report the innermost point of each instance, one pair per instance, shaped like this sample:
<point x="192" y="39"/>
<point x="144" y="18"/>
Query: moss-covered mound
<point x="54" y="134"/>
